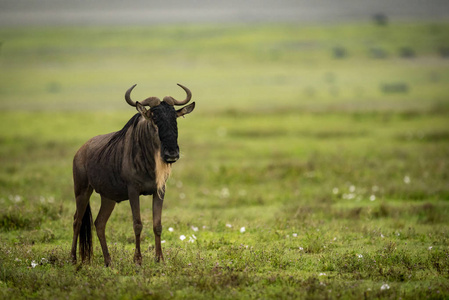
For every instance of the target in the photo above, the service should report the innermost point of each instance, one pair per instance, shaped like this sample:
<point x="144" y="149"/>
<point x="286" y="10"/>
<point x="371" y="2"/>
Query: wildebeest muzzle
<point x="170" y="156"/>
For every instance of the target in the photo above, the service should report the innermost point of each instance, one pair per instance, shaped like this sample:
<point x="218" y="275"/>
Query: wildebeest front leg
<point x="107" y="206"/>
<point x="157" y="224"/>
<point x="137" y="224"/>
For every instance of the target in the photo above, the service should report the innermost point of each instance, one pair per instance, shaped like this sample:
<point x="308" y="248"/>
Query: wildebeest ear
<point x="185" y="110"/>
<point x="140" y="108"/>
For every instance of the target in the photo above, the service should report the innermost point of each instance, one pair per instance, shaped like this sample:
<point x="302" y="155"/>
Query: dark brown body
<point x="122" y="166"/>
<point x="112" y="166"/>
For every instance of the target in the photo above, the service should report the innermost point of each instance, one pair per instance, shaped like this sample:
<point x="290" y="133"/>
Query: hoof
<point x="138" y="260"/>
<point x="159" y="258"/>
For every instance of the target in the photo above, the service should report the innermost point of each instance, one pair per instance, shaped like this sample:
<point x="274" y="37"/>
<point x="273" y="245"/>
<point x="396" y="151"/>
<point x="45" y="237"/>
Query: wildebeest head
<point x="162" y="116"/>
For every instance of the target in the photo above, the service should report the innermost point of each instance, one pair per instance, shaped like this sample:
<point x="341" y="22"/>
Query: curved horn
<point x="151" y="101"/>
<point x="172" y="101"/>
<point x="128" y="96"/>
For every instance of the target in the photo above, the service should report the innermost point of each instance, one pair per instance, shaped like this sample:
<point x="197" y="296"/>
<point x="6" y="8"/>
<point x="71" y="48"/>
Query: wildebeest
<point x="123" y="165"/>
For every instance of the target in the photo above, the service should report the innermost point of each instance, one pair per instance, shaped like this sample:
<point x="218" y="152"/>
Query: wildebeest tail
<point x="86" y="248"/>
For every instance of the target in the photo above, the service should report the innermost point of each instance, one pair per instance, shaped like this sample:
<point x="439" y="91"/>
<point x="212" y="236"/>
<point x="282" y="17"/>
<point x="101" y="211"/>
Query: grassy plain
<point x="329" y="145"/>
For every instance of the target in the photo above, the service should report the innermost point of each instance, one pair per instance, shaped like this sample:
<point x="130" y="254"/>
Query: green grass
<point x="341" y="186"/>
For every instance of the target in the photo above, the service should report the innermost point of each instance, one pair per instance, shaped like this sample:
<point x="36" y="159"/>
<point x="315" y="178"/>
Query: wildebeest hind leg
<point x="107" y="206"/>
<point x="82" y="201"/>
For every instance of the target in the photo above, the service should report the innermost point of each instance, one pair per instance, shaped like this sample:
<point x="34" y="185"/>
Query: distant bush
<point x="339" y="52"/>
<point x="53" y="87"/>
<point x="380" y="19"/>
<point x="379" y="53"/>
<point x="395" y="88"/>
<point x="406" y="52"/>
<point x="444" y="52"/>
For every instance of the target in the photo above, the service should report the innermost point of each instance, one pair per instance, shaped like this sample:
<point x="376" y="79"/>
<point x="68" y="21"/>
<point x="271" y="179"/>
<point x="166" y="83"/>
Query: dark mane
<point x="119" y="135"/>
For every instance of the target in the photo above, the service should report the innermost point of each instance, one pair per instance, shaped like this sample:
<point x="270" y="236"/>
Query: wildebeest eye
<point x="153" y="116"/>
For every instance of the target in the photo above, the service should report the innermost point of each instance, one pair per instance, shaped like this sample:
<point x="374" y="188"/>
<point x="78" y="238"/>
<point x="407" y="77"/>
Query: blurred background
<point x="233" y="54"/>
<point x="139" y="12"/>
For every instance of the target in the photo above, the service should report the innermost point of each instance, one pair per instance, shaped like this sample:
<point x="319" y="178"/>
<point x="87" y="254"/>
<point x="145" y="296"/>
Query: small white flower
<point x="301" y="248"/>
<point x="349" y="196"/>
<point x="194" y="236"/>
<point x="194" y="228"/>
<point x="191" y="240"/>
<point x="228" y="225"/>
<point x="242" y="230"/>
<point x="372" y="198"/>
<point x="335" y="238"/>
<point x="163" y="242"/>
<point x="322" y="274"/>
<point x="34" y="264"/>
<point x="182" y="237"/>
<point x="381" y="235"/>
<point x="352" y="189"/>
<point x="335" y="190"/>
<point x="15" y="198"/>
<point x="407" y="179"/>
<point x="294" y="234"/>
<point x="359" y="255"/>
<point x="384" y="287"/>
<point x="170" y="229"/>
<point x="430" y="248"/>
